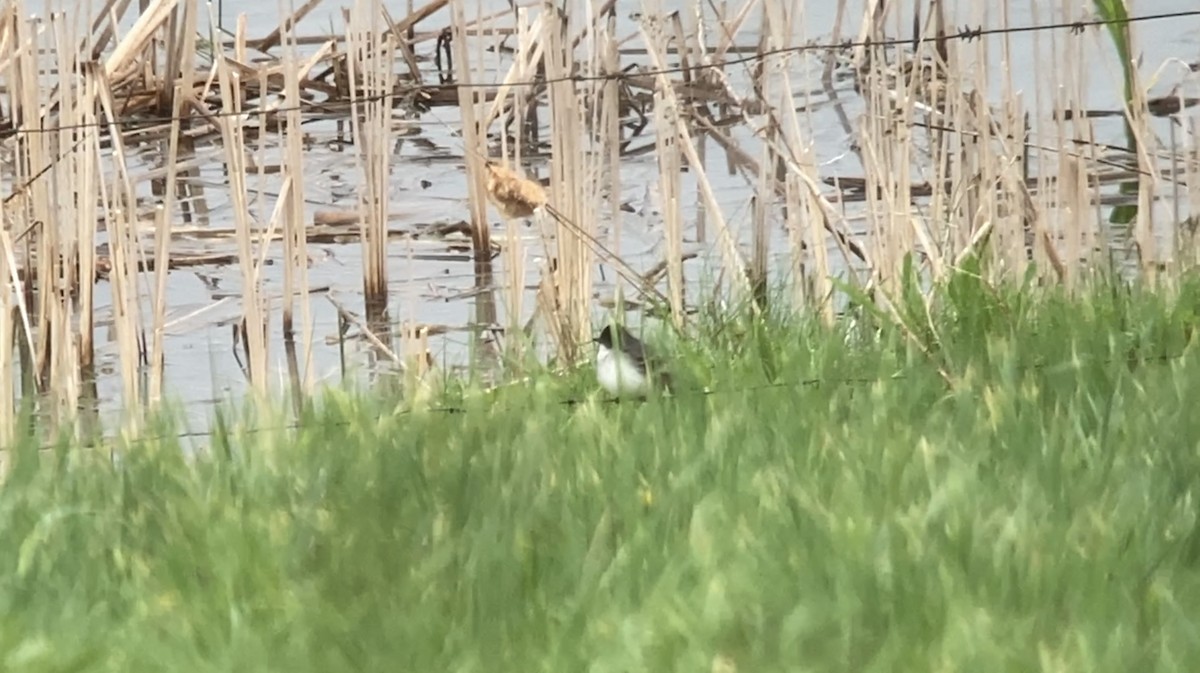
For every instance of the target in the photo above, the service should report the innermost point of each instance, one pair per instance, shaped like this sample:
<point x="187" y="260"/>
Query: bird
<point x="625" y="366"/>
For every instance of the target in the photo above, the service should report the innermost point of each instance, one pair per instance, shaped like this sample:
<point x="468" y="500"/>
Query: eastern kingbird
<point x="625" y="367"/>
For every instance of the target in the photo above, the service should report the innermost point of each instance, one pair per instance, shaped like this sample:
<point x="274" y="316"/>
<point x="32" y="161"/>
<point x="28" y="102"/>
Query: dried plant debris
<point x="514" y="196"/>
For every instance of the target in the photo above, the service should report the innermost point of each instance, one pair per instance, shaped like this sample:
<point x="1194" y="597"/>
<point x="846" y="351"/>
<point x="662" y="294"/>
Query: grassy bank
<point x="1037" y="512"/>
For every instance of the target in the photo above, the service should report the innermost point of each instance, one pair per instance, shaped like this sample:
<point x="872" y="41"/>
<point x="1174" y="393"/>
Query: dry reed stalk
<point x="524" y="68"/>
<point x="573" y="187"/>
<point x="1037" y="162"/>
<point x="794" y="196"/>
<point x="692" y="54"/>
<point x="883" y="155"/>
<point x="610" y="123"/>
<point x="288" y="25"/>
<point x="823" y="216"/>
<point x="638" y="280"/>
<point x="471" y="69"/>
<point x="701" y="56"/>
<point x="13" y="67"/>
<point x="53" y="258"/>
<point x="402" y="44"/>
<point x="887" y="144"/>
<point x="162" y="241"/>
<point x="233" y="143"/>
<point x="19" y="291"/>
<point x="8" y="18"/>
<point x="239" y="43"/>
<point x="670" y="166"/>
<point x="474" y="140"/>
<point x="731" y="28"/>
<point x="33" y="153"/>
<point x="730" y="255"/>
<point x="295" y="277"/>
<point x="1009" y="240"/>
<point x="1001" y="182"/>
<point x="420" y="377"/>
<point x="8" y="311"/>
<point x="480" y="27"/>
<point x="67" y="225"/>
<point x="945" y="201"/>
<point x="835" y="37"/>
<point x="524" y="64"/>
<point x="120" y="210"/>
<point x="180" y="64"/>
<point x="1011" y="136"/>
<point x="375" y="339"/>
<point x="590" y="25"/>
<point x="416" y="16"/>
<point x="907" y="93"/>
<point x="162" y="258"/>
<point x="180" y="48"/>
<point x="853" y="254"/>
<point x="794" y="158"/>
<point x="370" y="71"/>
<point x="1192" y="180"/>
<point x="802" y="287"/>
<point x="99" y="39"/>
<point x="516" y="198"/>
<point x="1176" y="200"/>
<point x="964" y="181"/>
<point x="1067" y="197"/>
<point x="1072" y="216"/>
<point x="769" y="35"/>
<point x="142" y="32"/>
<point x="1146" y="146"/>
<point x="868" y="31"/>
<point x="88" y="186"/>
<point x="916" y="228"/>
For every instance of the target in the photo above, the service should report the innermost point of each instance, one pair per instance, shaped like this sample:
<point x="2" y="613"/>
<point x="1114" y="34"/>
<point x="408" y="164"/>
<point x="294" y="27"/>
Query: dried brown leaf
<point x="514" y="196"/>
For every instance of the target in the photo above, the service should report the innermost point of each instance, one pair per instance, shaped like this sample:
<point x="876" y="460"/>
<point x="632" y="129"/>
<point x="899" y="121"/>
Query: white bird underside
<point x="619" y="375"/>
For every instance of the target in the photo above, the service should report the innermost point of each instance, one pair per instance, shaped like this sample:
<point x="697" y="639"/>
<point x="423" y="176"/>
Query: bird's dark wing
<point x="635" y="349"/>
<point x="645" y="358"/>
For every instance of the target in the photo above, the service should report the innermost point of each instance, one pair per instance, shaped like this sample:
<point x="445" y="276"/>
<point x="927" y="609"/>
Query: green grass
<point x="1039" y="515"/>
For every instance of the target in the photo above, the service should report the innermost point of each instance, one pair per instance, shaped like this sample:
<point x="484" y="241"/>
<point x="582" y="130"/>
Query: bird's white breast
<point x="617" y="374"/>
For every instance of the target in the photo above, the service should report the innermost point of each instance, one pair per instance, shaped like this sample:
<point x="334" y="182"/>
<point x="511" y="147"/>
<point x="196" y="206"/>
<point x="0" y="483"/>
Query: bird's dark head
<point x="606" y="337"/>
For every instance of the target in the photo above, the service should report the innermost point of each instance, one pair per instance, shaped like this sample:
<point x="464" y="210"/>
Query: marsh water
<point x="432" y="282"/>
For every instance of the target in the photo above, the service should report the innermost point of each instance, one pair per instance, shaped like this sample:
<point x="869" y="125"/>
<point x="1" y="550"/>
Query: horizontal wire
<point x="575" y="401"/>
<point x="967" y="34"/>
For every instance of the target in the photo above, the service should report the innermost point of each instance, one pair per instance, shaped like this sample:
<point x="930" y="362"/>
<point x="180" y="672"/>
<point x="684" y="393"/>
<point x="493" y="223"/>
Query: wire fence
<point x="966" y="34"/>
<point x="1130" y="362"/>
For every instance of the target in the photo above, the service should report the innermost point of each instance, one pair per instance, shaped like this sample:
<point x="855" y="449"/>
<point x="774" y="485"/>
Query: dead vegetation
<point x="951" y="163"/>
